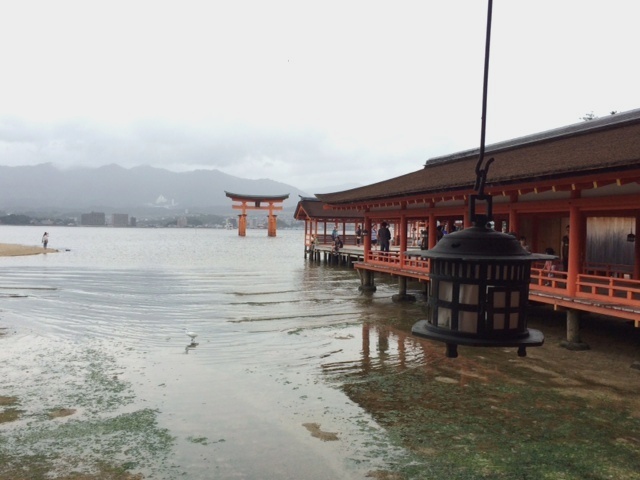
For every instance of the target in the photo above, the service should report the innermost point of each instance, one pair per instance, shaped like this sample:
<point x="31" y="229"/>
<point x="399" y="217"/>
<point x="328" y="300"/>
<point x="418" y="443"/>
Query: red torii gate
<point x="274" y="203"/>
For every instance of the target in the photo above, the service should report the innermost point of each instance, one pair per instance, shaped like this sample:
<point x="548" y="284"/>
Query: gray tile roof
<point x="607" y="144"/>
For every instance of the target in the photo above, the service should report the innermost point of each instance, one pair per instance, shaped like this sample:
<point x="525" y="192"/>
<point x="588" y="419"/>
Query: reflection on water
<point x="293" y="373"/>
<point x="269" y="327"/>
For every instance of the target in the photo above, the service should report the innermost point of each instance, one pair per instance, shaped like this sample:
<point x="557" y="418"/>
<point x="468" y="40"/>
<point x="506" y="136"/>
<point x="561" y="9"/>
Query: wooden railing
<point x="608" y="270"/>
<point x="615" y="290"/>
<point x="417" y="264"/>
<point x="597" y="291"/>
<point x="592" y="287"/>
<point x="546" y="280"/>
<point x="398" y="260"/>
<point x="328" y="240"/>
<point x="388" y="259"/>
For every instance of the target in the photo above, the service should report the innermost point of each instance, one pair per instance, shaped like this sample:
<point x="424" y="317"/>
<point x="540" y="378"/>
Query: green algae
<point x="498" y="430"/>
<point x="102" y="424"/>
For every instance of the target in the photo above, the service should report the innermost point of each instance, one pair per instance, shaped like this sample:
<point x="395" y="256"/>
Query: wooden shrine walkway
<point x="608" y="295"/>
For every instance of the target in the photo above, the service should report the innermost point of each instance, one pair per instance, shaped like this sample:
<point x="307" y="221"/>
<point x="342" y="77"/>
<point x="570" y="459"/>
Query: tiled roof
<point x="314" y="209"/>
<point x="606" y="144"/>
<point x="251" y="198"/>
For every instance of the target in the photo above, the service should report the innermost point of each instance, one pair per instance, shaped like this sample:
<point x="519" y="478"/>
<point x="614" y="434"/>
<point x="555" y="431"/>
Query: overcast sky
<point x="312" y="94"/>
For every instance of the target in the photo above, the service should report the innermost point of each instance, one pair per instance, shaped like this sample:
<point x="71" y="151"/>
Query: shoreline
<point x="14" y="250"/>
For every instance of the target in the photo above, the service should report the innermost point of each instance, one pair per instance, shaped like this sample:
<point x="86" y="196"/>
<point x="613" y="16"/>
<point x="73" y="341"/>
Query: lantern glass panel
<point x="468" y="294"/>
<point x="515" y="299"/>
<point x="499" y="299"/>
<point x="468" y="322"/>
<point x="445" y="291"/>
<point x="513" y="321"/>
<point x="444" y="318"/>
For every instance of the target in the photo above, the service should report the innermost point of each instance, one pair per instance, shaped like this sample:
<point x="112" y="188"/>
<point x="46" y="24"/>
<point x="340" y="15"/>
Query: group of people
<point x="382" y="237"/>
<point x="379" y="237"/>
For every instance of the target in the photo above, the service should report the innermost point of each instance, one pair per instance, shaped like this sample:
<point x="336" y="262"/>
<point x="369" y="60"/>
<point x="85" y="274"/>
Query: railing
<point x="398" y="260"/>
<point x="548" y="280"/>
<point x="614" y="290"/>
<point x="599" y="288"/>
<point x="383" y="258"/>
<point x="608" y="270"/>
<point x="328" y="239"/>
<point x="417" y="264"/>
<point x="595" y="289"/>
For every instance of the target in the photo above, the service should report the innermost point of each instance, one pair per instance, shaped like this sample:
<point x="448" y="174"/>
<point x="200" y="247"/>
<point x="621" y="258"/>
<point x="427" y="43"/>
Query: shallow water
<point x="268" y="324"/>
<point x="295" y="373"/>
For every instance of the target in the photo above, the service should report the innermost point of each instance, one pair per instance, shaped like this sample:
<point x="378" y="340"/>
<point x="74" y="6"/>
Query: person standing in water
<point x="45" y="240"/>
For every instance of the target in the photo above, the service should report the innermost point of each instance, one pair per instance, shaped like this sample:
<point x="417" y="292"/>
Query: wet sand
<point x="12" y="250"/>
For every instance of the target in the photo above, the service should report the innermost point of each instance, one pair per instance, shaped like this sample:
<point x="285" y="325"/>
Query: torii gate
<point x="274" y="203"/>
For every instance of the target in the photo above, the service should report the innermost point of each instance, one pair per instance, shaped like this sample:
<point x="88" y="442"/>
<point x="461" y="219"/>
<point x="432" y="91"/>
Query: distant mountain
<point x="113" y="188"/>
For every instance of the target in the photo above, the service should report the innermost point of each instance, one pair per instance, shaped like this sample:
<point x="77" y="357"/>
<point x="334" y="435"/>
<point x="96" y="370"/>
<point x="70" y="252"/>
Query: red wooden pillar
<point x="636" y="252"/>
<point x="576" y="245"/>
<point x="272" y="224"/>
<point x="242" y="224"/>
<point x="403" y="233"/>
<point x="433" y="230"/>
<point x="513" y="222"/>
<point x="403" y="239"/>
<point x="466" y="220"/>
<point x="307" y="236"/>
<point x="367" y="237"/>
<point x="513" y="216"/>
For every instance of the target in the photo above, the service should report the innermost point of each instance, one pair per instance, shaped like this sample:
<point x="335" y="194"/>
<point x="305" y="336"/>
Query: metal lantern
<point x="480" y="277"/>
<point x="479" y="291"/>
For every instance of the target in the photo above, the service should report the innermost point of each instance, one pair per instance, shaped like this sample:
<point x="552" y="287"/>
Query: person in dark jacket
<point x="384" y="237"/>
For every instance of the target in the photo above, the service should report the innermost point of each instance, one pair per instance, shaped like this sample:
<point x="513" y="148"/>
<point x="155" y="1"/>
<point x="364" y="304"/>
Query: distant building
<point x="93" y="218"/>
<point x="133" y="222"/>
<point x="182" y="222"/>
<point x="120" y="220"/>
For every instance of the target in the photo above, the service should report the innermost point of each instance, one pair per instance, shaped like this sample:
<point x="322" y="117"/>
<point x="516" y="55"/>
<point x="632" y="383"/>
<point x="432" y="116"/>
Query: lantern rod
<point x="481" y="173"/>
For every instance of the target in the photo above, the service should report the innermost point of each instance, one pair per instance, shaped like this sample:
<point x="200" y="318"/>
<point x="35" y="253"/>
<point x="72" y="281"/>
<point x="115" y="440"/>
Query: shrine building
<point x="574" y="190"/>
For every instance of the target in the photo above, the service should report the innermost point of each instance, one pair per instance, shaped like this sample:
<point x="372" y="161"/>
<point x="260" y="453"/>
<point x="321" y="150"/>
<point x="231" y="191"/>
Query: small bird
<point x="192" y="335"/>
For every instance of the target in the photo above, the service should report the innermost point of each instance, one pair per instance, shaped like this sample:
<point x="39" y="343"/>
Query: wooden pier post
<point x="573" y="341"/>
<point x="402" y="295"/>
<point x="366" y="281"/>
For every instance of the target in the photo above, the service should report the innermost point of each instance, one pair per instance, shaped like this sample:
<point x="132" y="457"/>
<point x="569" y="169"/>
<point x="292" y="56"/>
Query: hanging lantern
<point x="479" y="291"/>
<point x="479" y="277"/>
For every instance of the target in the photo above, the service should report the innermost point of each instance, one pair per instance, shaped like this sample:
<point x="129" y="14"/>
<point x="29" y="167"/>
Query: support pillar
<point x="402" y="295"/>
<point x="576" y="239"/>
<point x="366" y="281"/>
<point x="513" y="222"/>
<point x="242" y="224"/>
<point x="573" y="341"/>
<point x="307" y="239"/>
<point x="367" y="237"/>
<point x="433" y="231"/>
<point x="636" y="250"/>
<point x="271" y="224"/>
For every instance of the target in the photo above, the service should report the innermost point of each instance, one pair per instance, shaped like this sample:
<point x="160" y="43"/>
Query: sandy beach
<point x="12" y="250"/>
